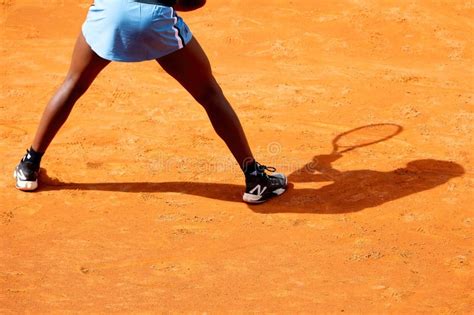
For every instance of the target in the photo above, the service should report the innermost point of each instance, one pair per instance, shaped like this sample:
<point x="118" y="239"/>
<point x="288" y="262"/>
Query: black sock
<point x="33" y="156"/>
<point x="250" y="168"/>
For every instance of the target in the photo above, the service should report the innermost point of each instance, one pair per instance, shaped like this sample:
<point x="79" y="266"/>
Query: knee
<point x="75" y="85"/>
<point x="209" y="95"/>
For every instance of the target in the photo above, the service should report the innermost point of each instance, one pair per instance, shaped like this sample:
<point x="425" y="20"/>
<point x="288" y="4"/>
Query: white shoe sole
<point x="25" y="185"/>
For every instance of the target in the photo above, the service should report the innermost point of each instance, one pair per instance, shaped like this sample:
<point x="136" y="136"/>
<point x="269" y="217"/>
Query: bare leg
<point x="191" y="68"/>
<point x="85" y="66"/>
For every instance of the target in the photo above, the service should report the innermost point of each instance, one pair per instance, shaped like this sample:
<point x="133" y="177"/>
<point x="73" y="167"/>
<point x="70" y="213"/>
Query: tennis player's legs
<point x="84" y="68"/>
<point x="191" y="68"/>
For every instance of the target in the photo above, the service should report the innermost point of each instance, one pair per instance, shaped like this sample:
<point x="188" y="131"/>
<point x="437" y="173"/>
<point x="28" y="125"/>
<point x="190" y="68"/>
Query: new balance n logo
<point x="259" y="190"/>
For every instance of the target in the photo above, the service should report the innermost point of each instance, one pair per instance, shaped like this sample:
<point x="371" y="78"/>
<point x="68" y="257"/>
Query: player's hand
<point x="188" y="5"/>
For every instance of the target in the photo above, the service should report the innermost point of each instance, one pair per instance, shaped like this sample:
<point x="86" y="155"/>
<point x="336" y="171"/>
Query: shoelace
<point x="262" y="168"/>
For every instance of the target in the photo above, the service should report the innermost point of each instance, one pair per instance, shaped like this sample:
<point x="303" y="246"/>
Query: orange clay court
<point x="140" y="205"/>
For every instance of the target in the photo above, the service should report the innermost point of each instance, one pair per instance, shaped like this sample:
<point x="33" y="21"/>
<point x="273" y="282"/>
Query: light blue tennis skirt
<point x="124" y="30"/>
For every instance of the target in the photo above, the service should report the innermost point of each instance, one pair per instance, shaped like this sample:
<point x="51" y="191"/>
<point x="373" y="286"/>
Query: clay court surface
<point x="140" y="207"/>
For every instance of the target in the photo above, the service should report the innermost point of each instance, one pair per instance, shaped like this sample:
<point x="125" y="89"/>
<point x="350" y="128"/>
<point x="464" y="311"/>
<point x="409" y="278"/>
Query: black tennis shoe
<point x="26" y="174"/>
<point x="261" y="186"/>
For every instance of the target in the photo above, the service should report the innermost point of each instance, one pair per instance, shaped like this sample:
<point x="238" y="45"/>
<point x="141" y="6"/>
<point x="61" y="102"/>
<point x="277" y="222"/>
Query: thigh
<point x="190" y="67"/>
<point x="85" y="63"/>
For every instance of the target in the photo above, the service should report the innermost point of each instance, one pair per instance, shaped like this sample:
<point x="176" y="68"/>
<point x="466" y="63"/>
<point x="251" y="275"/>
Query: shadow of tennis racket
<point x="320" y="168"/>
